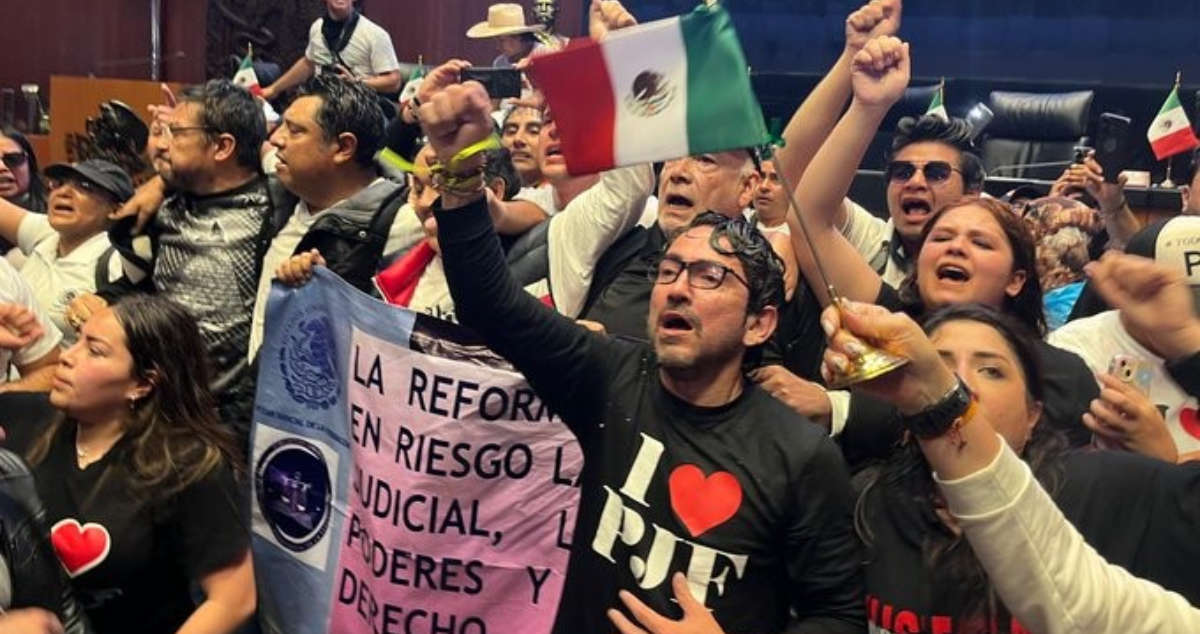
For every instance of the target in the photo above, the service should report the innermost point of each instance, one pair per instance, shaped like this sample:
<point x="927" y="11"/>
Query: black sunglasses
<point x="13" y="160"/>
<point x="701" y="274"/>
<point x="935" y="171"/>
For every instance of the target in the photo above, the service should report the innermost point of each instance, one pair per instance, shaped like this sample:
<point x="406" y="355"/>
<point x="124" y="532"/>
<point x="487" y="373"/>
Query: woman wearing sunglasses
<point x="971" y="251"/>
<point x="20" y="181"/>
<point x="67" y="249"/>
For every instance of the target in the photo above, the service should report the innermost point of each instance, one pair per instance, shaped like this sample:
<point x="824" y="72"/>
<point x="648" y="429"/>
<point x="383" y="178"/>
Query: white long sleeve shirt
<point x="1047" y="576"/>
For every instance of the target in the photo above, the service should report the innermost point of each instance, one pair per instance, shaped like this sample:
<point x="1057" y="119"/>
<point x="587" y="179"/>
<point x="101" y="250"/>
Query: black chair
<point x="1035" y="128"/>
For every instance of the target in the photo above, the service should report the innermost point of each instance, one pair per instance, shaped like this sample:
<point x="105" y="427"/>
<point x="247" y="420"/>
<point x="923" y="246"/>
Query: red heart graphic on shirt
<point x="703" y="502"/>
<point x="1190" y="421"/>
<point x="80" y="548"/>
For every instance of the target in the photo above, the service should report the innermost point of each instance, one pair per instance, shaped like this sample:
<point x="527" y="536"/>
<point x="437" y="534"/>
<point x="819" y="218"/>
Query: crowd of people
<point x="1034" y="466"/>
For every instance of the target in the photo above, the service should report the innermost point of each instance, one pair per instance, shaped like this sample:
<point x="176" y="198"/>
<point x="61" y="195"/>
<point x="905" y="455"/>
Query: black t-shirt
<point x="623" y="305"/>
<point x="749" y="499"/>
<point x="872" y="427"/>
<point x="132" y="555"/>
<point x="1139" y="513"/>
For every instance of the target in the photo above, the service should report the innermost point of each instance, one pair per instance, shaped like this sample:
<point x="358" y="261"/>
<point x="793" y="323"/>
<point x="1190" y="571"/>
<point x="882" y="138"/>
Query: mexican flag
<point x="1171" y="133"/>
<point x="652" y="92"/>
<point x="246" y="77"/>
<point x="937" y="106"/>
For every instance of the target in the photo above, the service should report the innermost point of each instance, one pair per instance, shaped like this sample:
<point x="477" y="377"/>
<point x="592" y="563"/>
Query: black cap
<point x="103" y="174"/>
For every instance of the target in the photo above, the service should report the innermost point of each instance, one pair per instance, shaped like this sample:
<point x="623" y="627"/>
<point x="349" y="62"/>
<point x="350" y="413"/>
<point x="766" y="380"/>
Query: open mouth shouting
<point x="915" y="208"/>
<point x="952" y="273"/>
<point x="674" y="323"/>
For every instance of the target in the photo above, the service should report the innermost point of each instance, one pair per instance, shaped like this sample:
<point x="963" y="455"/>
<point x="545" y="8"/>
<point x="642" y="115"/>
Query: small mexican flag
<point x="653" y="92"/>
<point x="1171" y="133"/>
<point x="937" y="106"/>
<point x="246" y="77"/>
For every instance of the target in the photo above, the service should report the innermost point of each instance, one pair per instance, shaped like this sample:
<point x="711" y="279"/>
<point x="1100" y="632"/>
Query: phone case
<point x="1131" y="370"/>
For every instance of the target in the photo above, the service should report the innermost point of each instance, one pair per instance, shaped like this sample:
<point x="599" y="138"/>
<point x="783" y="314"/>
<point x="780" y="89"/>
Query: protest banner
<point x="406" y="480"/>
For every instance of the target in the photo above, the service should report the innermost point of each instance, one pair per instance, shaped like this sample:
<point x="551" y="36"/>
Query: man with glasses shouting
<point x="202" y="246"/>
<point x="698" y="487"/>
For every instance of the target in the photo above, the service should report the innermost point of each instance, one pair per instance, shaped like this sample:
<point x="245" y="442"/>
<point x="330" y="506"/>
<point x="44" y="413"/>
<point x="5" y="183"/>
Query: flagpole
<point x="1167" y="182"/>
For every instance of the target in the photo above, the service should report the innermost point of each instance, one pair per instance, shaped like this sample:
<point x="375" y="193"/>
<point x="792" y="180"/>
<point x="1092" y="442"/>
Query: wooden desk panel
<point x="74" y="99"/>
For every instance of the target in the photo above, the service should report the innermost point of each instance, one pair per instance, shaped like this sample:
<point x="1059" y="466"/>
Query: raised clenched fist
<point x="880" y="72"/>
<point x="874" y="19"/>
<point x="454" y="118"/>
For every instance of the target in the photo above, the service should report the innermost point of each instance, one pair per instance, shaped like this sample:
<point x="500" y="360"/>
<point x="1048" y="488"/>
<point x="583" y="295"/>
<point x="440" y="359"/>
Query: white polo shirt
<point x="15" y="290"/>
<point x="55" y="280"/>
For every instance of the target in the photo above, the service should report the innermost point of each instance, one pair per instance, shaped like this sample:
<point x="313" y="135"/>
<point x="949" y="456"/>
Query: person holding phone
<point x="1122" y="415"/>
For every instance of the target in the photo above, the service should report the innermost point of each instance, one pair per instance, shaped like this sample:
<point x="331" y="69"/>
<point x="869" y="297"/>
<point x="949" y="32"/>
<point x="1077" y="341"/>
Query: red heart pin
<point x="1190" y="421"/>
<point x="703" y="502"/>
<point x="80" y="548"/>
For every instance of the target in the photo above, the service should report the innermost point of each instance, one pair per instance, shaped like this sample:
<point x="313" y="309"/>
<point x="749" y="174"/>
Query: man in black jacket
<point x="689" y="469"/>
<point x="338" y="211"/>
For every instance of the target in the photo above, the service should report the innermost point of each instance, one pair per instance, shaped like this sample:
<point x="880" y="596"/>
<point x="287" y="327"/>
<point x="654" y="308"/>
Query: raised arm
<point x="816" y="116"/>
<point x="558" y="357"/>
<point x="880" y="75"/>
<point x="1046" y="575"/>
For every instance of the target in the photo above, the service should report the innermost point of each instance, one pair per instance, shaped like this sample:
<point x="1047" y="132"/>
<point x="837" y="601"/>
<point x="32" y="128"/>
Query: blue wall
<point x="1117" y="42"/>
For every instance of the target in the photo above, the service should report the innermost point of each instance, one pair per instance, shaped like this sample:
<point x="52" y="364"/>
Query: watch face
<point x="934" y="421"/>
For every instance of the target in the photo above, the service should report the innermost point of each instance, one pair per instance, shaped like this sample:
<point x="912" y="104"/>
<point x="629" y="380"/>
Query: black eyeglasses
<point x="935" y="171"/>
<point x="701" y="274"/>
<point x="172" y="131"/>
<point x="13" y="160"/>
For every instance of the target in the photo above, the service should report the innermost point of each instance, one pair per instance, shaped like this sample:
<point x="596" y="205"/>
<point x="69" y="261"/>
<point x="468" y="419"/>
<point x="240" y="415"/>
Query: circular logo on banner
<point x="651" y="94"/>
<point x="306" y="361"/>
<point x="293" y="490"/>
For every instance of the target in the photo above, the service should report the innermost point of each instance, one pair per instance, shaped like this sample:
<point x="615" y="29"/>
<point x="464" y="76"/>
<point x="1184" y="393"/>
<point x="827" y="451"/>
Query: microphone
<point x="1017" y="166"/>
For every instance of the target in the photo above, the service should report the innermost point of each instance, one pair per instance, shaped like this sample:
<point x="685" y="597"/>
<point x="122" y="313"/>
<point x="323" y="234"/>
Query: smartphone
<point x="500" y="83"/>
<point x="1131" y="370"/>
<point x="1112" y="145"/>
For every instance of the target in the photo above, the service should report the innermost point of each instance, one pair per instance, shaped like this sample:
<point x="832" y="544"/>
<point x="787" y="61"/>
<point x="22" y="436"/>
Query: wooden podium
<point x="74" y="99"/>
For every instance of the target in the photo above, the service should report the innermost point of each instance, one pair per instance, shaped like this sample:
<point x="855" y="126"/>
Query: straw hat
<point x="503" y="19"/>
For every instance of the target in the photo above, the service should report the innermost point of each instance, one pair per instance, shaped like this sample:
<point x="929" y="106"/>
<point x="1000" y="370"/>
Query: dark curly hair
<point x="764" y="269"/>
<point x="901" y="487"/>
<point x="348" y="106"/>
<point x="955" y="133"/>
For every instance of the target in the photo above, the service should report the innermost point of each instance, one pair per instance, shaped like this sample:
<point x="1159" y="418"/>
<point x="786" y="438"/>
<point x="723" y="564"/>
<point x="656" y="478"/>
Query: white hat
<point x="503" y="19"/>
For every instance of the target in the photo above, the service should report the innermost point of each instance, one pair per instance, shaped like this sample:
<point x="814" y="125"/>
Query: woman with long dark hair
<point x="140" y="479"/>
<point x="922" y="576"/>
<point x="974" y="251"/>
<point x="20" y="179"/>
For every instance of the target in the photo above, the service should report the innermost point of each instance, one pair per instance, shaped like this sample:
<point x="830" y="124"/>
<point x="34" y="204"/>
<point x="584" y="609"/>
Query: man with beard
<point x="764" y="535"/>
<point x="201" y="248"/>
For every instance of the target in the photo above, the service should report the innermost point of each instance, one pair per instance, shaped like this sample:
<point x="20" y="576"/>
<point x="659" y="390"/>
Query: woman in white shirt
<point x="67" y="249"/>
